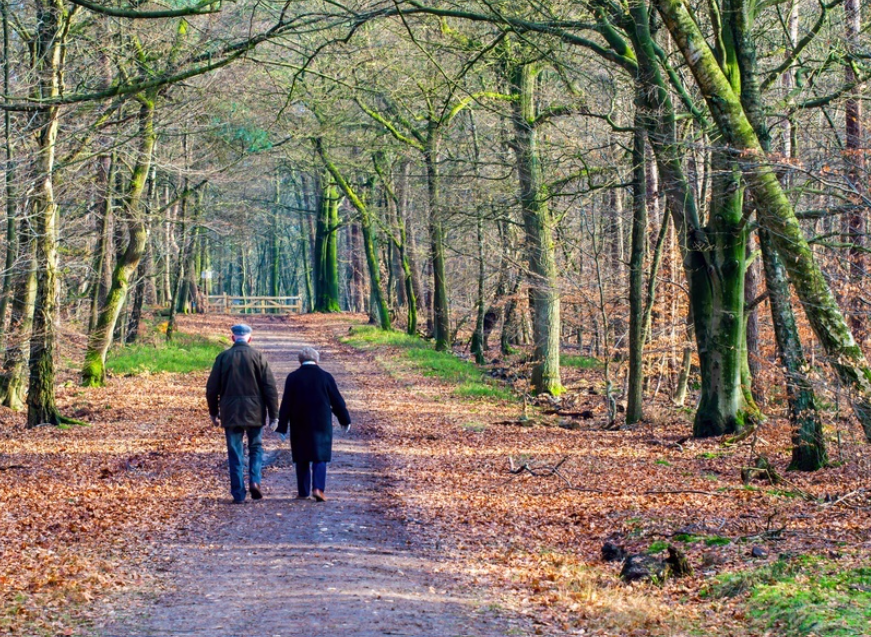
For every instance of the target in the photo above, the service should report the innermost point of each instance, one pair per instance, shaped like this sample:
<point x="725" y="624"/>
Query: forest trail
<point x="282" y="566"/>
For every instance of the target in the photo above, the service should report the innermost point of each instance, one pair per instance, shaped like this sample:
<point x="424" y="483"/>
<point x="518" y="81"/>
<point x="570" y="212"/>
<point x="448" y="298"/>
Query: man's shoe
<point x="319" y="495"/>
<point x="303" y="497"/>
<point x="242" y="501"/>
<point x="256" y="494"/>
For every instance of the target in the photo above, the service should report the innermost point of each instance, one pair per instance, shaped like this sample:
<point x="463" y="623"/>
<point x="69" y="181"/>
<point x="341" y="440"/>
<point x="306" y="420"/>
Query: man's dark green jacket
<point x="241" y="388"/>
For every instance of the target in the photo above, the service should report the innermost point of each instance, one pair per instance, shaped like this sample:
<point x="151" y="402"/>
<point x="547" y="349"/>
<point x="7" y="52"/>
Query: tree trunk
<point x="305" y="240"/>
<point x="478" y="335"/>
<point x="13" y="380"/>
<point x="326" y="249"/>
<point x="440" y="310"/>
<point x="274" y="250"/>
<point x="49" y="42"/>
<point x="808" y="444"/>
<point x="638" y="249"/>
<point x="139" y="292"/>
<point x="809" y="451"/>
<point x="615" y="230"/>
<point x="717" y="295"/>
<point x="102" y="272"/>
<point x="854" y="156"/>
<point x="100" y="338"/>
<point x="751" y="290"/>
<point x="538" y="225"/>
<point x="9" y="175"/>
<point x="409" y="243"/>
<point x="178" y="283"/>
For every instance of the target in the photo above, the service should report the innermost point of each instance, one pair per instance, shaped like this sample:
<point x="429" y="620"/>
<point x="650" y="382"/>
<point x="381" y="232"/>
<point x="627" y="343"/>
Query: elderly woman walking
<point x="310" y="398"/>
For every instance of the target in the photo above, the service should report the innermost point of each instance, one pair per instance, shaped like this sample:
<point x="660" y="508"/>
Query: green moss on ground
<point x="802" y="597"/>
<point x="469" y="379"/>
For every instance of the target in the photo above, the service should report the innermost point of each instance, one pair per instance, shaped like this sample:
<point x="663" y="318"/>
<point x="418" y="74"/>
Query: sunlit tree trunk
<point x="539" y="225"/>
<point x="102" y="270"/>
<point x="274" y="246"/>
<point x="712" y="264"/>
<point x="49" y="42"/>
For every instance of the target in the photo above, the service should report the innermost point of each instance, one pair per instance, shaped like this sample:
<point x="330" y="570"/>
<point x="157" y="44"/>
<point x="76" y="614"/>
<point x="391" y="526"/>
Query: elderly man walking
<point x="241" y="393"/>
<point x="310" y="396"/>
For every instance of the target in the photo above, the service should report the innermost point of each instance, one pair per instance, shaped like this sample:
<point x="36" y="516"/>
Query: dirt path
<point x="284" y="567"/>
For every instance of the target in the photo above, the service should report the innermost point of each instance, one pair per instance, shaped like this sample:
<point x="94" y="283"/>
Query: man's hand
<point x="273" y="424"/>
<point x="346" y="428"/>
<point x="216" y="421"/>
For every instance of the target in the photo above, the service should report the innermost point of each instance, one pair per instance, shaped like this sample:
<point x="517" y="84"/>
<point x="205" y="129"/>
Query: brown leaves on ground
<point x="538" y="539"/>
<point x="85" y="512"/>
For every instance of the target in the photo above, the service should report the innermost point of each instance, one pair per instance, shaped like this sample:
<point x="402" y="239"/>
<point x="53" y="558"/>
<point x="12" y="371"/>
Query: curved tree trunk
<point x="774" y="210"/>
<point x="383" y="312"/>
<point x="809" y="450"/>
<point x="100" y="338"/>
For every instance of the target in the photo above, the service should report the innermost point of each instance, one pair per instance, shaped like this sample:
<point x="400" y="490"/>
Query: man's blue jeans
<point x="310" y="475"/>
<point x="236" y="456"/>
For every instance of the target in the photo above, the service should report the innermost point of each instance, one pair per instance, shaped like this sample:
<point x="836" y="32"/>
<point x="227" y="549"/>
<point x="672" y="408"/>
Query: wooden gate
<point x="226" y="304"/>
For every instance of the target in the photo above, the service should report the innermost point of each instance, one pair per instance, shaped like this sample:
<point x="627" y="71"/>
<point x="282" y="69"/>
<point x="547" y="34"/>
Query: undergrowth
<point x="802" y="597"/>
<point x="468" y="378"/>
<point x="580" y="362"/>
<point x="186" y="353"/>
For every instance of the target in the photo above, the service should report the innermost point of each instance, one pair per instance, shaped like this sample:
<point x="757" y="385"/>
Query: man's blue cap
<point x="241" y="330"/>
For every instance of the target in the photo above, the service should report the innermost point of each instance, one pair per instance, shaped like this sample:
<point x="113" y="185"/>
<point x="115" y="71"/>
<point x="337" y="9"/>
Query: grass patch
<point x="689" y="538"/>
<point x="657" y="547"/>
<point x="664" y="463"/>
<point x="717" y="540"/>
<point x="808" y="596"/>
<point x="708" y="455"/>
<point x="186" y="353"/>
<point x="580" y="362"/>
<point x="783" y="494"/>
<point x="479" y="390"/>
<point x="475" y="427"/>
<point x="469" y="379"/>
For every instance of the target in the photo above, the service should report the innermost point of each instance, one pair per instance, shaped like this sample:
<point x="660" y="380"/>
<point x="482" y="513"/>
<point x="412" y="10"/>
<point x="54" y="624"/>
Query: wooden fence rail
<point x="226" y="304"/>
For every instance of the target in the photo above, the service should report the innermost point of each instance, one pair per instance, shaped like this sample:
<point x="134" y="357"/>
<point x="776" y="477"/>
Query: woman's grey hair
<point x="307" y="354"/>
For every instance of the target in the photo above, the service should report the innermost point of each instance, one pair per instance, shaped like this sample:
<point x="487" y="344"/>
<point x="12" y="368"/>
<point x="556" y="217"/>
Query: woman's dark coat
<point x="310" y="395"/>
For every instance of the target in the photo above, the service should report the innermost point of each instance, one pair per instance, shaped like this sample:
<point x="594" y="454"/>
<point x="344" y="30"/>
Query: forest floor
<point x="124" y="527"/>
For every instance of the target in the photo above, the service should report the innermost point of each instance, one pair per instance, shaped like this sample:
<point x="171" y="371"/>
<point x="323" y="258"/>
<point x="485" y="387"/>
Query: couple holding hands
<point x="242" y="397"/>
